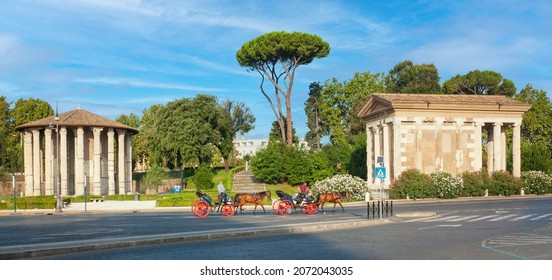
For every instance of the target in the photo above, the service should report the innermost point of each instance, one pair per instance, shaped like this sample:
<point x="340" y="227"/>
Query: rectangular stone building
<point x="435" y="132"/>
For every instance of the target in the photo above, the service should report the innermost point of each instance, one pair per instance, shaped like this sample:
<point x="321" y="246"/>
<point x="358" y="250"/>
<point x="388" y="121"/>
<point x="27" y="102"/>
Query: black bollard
<point x="391" y="208"/>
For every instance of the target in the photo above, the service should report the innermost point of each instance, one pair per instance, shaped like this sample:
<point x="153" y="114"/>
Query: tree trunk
<point x="226" y="164"/>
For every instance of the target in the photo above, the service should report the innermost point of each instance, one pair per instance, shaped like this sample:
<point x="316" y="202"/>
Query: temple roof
<point x="461" y="102"/>
<point x="77" y="118"/>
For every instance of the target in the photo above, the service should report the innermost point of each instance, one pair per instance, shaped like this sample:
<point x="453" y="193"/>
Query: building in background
<point x="78" y="149"/>
<point x="436" y="132"/>
<point x="251" y="146"/>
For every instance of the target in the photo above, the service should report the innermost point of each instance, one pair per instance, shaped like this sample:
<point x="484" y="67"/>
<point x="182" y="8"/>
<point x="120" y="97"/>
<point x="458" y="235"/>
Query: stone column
<point x="28" y="150"/>
<point x="377" y="149"/>
<point x="490" y="150"/>
<point x="478" y="147"/>
<point x="386" y="152"/>
<point x="516" y="150"/>
<point x="97" y="161"/>
<point x="121" y="161"/>
<point x="111" y="161"/>
<point x="79" y="165"/>
<point x="397" y="153"/>
<point x="503" y="154"/>
<point x="497" y="150"/>
<point x="48" y="162"/>
<point x="37" y="170"/>
<point x="128" y="162"/>
<point x="369" y="154"/>
<point x="63" y="160"/>
<point x="439" y="143"/>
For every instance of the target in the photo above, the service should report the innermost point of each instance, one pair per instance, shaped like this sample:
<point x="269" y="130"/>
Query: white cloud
<point x="132" y="82"/>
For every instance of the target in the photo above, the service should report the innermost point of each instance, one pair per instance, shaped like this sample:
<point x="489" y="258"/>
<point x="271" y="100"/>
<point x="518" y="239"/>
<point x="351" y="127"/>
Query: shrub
<point x="413" y="183"/>
<point x="536" y="182"/>
<point x="475" y="183"/>
<point x="356" y="187"/>
<point x="505" y="184"/>
<point x="153" y="178"/>
<point x="268" y="163"/>
<point x="446" y="185"/>
<point x="203" y="178"/>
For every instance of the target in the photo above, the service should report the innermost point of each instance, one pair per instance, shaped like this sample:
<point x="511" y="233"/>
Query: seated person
<point x="303" y="191"/>
<point x="222" y="194"/>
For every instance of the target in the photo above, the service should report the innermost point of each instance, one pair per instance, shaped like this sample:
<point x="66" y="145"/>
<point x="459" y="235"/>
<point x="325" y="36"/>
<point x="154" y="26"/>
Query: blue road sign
<point x="380" y="172"/>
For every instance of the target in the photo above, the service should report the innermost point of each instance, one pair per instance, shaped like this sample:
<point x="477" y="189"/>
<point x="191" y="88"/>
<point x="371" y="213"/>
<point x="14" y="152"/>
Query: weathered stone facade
<point x="433" y="132"/>
<point x="77" y="150"/>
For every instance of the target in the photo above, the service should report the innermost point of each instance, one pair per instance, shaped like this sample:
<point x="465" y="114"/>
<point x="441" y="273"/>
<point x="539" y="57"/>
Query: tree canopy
<point x="407" y="77"/>
<point x="24" y="111"/>
<point x="480" y="82"/>
<point x="537" y="122"/>
<point x="235" y="117"/>
<point x="182" y="132"/>
<point x="276" y="56"/>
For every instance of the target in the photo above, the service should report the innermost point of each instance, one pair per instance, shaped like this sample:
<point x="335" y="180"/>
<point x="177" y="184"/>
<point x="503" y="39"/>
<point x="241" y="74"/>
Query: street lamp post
<point x="58" y="160"/>
<point x="57" y="184"/>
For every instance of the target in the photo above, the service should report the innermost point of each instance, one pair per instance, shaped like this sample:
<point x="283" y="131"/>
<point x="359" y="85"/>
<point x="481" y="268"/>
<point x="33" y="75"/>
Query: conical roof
<point x="76" y="118"/>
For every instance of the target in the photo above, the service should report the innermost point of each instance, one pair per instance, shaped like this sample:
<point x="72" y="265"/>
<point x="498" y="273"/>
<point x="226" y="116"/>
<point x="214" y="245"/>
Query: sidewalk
<point x="110" y="206"/>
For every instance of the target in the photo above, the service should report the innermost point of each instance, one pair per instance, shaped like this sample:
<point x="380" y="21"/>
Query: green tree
<point x="139" y="150"/>
<point x="24" y="111"/>
<point x="6" y="127"/>
<point x="182" y="132"/>
<point x="406" y="77"/>
<point x="275" y="133"/>
<point x="27" y="110"/>
<point x="235" y="117"/>
<point x="537" y="122"/>
<point x="315" y="119"/>
<point x="276" y="56"/>
<point x="340" y="101"/>
<point x="479" y="82"/>
<point x="535" y="157"/>
<point x="150" y="134"/>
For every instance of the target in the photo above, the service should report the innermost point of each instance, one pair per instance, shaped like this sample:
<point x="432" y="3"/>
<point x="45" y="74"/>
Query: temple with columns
<point x="77" y="150"/>
<point x="436" y="132"/>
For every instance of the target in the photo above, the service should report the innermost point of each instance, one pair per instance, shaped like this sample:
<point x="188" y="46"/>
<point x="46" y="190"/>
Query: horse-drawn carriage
<point x="287" y="204"/>
<point x="203" y="207"/>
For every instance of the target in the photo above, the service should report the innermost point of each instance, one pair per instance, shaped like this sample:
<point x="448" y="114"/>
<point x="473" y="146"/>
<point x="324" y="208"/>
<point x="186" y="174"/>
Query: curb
<point x="415" y="214"/>
<point x="60" y="248"/>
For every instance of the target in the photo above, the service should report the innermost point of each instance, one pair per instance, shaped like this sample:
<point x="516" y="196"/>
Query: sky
<point x="114" y="57"/>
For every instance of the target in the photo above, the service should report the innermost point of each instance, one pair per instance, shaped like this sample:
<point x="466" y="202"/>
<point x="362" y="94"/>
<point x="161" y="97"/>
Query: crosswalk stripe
<point x="540" y="217"/>
<point x="483" y="218"/>
<point x="503" y="218"/>
<point x="522" y="217"/>
<point x="463" y="218"/>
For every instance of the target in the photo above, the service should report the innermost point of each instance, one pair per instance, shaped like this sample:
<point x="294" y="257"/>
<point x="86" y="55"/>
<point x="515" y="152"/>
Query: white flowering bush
<point x="447" y="185"/>
<point x="536" y="182"/>
<point x="341" y="183"/>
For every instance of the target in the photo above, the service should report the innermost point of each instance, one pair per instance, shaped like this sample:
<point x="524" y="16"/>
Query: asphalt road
<point x="484" y="230"/>
<point x="517" y="228"/>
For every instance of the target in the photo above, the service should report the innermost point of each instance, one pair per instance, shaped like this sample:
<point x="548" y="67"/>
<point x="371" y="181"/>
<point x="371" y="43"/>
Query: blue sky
<point x="115" y="57"/>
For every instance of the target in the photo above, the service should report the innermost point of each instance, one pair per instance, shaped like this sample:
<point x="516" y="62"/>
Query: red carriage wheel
<point x="201" y="209"/>
<point x="285" y="208"/>
<point x="311" y="208"/>
<point x="228" y="210"/>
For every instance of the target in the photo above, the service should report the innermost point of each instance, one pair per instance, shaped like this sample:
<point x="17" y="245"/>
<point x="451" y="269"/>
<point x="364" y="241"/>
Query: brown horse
<point x="334" y="197"/>
<point x="254" y="198"/>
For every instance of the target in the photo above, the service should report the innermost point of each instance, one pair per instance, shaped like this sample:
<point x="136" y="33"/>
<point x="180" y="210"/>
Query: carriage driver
<point x="222" y="194"/>
<point x="302" y="191"/>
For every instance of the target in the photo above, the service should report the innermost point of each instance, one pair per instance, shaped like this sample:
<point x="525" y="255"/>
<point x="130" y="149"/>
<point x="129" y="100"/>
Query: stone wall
<point x="6" y="185"/>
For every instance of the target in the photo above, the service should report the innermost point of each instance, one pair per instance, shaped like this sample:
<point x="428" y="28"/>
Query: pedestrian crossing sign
<point x="380" y="172"/>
